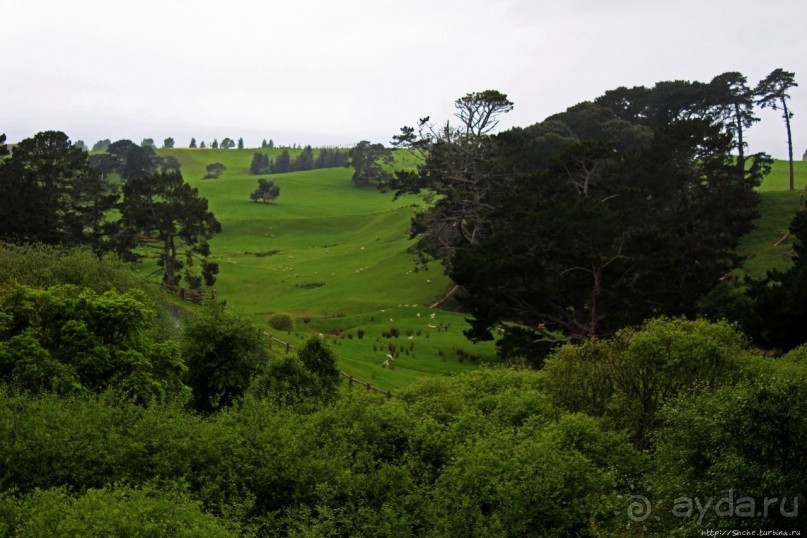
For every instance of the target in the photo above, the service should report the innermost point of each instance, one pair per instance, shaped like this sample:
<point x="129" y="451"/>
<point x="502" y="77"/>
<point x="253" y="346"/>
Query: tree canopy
<point x="52" y="195"/>
<point x="266" y="191"/>
<point x="167" y="216"/>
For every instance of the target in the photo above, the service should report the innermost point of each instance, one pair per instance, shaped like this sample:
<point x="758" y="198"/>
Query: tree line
<point x="57" y="194"/>
<point x="305" y="160"/>
<point x="619" y="209"/>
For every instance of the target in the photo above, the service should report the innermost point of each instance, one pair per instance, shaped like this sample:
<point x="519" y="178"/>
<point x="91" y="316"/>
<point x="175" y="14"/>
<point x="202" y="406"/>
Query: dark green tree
<point x="260" y="164"/>
<point x="223" y="353"/>
<point x="282" y="163"/>
<point x="271" y="144"/>
<point x="320" y="360"/>
<point x="240" y="143"/>
<point x="733" y="102"/>
<point x="147" y="142"/>
<point x="168" y="217"/>
<point x="453" y="173"/>
<point x="193" y="143"/>
<point x="81" y="145"/>
<point x="52" y="195"/>
<point x="305" y="160"/>
<point x="168" y="143"/>
<point x="3" y="146"/>
<point x="202" y="144"/>
<point x="215" y="144"/>
<point x="780" y="299"/>
<point x="105" y="163"/>
<point x="102" y="145"/>
<point x="369" y="161"/>
<point x="214" y="170"/>
<point x="170" y="163"/>
<point x="592" y="243"/>
<point x="227" y="143"/>
<point x="772" y="92"/>
<point x="266" y="191"/>
<point x="133" y="160"/>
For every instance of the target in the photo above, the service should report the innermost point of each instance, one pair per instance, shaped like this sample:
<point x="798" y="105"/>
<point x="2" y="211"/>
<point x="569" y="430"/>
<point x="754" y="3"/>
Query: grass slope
<point x="777" y="208"/>
<point x="334" y="256"/>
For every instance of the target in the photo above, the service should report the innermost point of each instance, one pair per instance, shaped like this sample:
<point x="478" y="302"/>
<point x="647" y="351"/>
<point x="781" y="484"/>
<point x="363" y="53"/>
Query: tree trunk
<point x="740" y="143"/>
<point x="789" y="144"/>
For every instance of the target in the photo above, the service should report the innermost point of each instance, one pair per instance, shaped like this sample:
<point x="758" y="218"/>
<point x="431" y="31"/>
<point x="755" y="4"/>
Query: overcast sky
<point x="335" y="72"/>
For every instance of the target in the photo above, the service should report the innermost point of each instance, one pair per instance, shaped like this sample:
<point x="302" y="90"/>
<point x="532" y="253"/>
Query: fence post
<point x="287" y="348"/>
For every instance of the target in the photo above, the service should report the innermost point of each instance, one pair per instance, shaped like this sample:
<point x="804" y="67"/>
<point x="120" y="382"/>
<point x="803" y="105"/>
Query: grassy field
<point x="778" y="205"/>
<point x="334" y="257"/>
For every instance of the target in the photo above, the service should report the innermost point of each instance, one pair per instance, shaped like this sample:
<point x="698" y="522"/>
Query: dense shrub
<point x="281" y="322"/>
<point x="743" y="442"/>
<point x="109" y="512"/>
<point x="65" y="339"/>
<point x="223" y="352"/>
<point x="321" y="361"/>
<point x="629" y="377"/>
<point x="286" y="381"/>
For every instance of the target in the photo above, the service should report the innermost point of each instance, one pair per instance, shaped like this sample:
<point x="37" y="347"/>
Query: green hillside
<point x="763" y="247"/>
<point x="334" y="256"/>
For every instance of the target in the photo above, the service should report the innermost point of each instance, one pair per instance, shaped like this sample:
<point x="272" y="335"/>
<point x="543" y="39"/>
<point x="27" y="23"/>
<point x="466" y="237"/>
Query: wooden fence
<point x="193" y="295"/>
<point x="351" y="380"/>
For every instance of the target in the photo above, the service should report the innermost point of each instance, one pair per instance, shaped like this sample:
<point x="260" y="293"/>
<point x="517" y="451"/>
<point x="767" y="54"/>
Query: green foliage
<point x="729" y="302"/>
<point x="287" y="382"/>
<point x="223" y="353"/>
<point x="266" y="191"/>
<point x="281" y="322"/>
<point x="614" y="247"/>
<point x="67" y="340"/>
<point x="170" y="217"/>
<point x="214" y="170"/>
<point x="628" y="378"/>
<point x="746" y="441"/>
<point x="168" y="143"/>
<point x="147" y="142"/>
<point x="772" y="92"/>
<point x="369" y="161"/>
<point x="535" y="482"/>
<point x="42" y="266"/>
<point x="102" y="145"/>
<point x="320" y="360"/>
<point x="192" y="144"/>
<point x="52" y="195"/>
<point x="117" y="511"/>
<point x="780" y="299"/>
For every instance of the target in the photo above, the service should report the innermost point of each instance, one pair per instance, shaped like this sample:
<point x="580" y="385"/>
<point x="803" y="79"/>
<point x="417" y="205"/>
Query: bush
<point x="745" y="441"/>
<point x="65" y="339"/>
<point x="109" y="512"/>
<point x="223" y="352"/>
<point x="321" y="361"/>
<point x="629" y="377"/>
<point x="286" y="381"/>
<point x="281" y="322"/>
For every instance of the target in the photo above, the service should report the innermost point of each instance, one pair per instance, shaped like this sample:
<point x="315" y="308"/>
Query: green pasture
<point x="334" y="257"/>
<point x="764" y="248"/>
